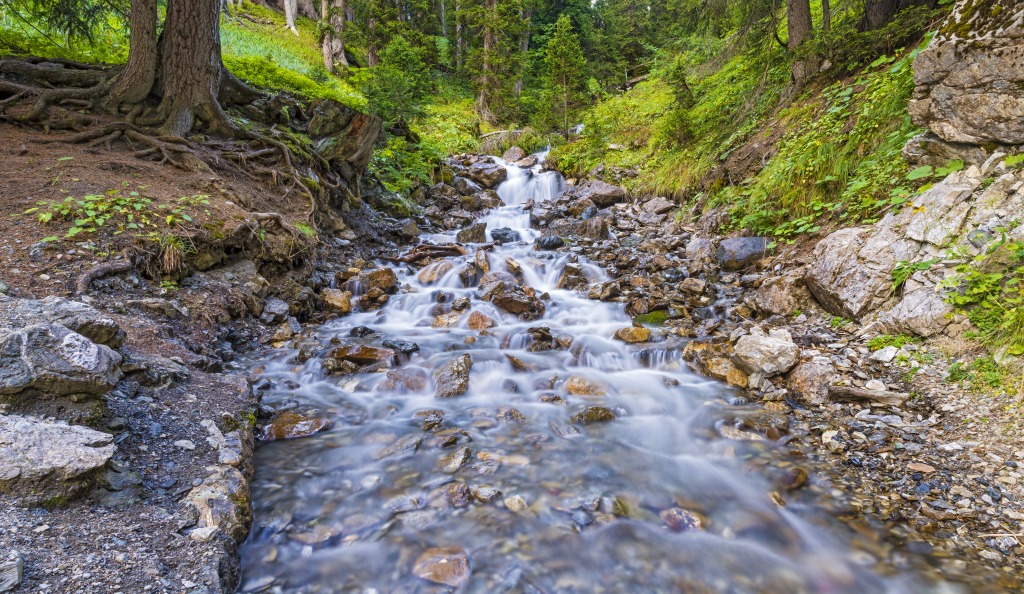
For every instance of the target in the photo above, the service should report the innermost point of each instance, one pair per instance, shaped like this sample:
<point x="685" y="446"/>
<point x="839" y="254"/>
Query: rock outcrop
<point x="50" y="359"/>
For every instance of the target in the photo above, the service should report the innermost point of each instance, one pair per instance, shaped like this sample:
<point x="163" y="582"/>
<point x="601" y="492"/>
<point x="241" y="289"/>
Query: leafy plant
<point x="899" y="341"/>
<point x="904" y="270"/>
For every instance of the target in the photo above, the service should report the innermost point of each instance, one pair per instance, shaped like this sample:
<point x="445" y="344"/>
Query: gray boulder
<point x="51" y="359"/>
<point x="488" y="175"/>
<point x="73" y="315"/>
<point x="49" y="461"/>
<point x="739" y="252"/>
<point x="603" y="194"/>
<point x="769" y="354"/>
<point x="453" y="377"/>
<point x="467" y="187"/>
<point x="513" y="154"/>
<point x="475" y="233"/>
<point x="922" y="312"/>
<point x="782" y="295"/>
<point x="810" y="379"/>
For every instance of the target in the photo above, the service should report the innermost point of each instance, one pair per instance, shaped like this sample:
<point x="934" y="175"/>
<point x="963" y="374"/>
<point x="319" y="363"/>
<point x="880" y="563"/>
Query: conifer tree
<point x="566" y="70"/>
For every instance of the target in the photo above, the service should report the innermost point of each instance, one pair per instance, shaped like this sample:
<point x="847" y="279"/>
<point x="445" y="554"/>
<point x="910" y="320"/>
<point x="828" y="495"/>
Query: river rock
<point x="517" y="301"/>
<point x="739" y="252"/>
<point x="505" y="235"/>
<point x="362" y="354"/>
<point x="633" y="334"/>
<point x="768" y="354"/>
<point x="593" y="414"/>
<point x="970" y="80"/>
<point x="435" y="271"/>
<point x="680" y="520"/>
<point x="513" y="154"/>
<point x="11" y="573"/>
<point x="572" y="278"/>
<point x="289" y="425"/>
<point x="406" y="347"/>
<point x="44" y="461"/>
<point x="449" y="320"/>
<point x="412" y="379"/>
<point x="51" y="359"/>
<point x="480" y="321"/>
<point x="581" y="386"/>
<point x="274" y="311"/>
<point x="384" y="279"/>
<point x="549" y="242"/>
<point x="443" y="565"/>
<point x="337" y="300"/>
<point x="452" y="378"/>
<point x="475" y="233"/>
<point x="601" y="193"/>
<point x="810" y="379"/>
<point x="466" y="187"/>
<point x="594" y="229"/>
<point x="222" y="502"/>
<point x="488" y="175"/>
<point x="693" y="285"/>
<point x="73" y="315"/>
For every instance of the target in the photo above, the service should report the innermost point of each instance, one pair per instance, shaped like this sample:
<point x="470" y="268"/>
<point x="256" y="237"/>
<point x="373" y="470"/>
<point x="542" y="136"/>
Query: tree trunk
<point x="136" y="80"/>
<point x="878" y="13"/>
<point x="334" y="39"/>
<point x="826" y="15"/>
<point x="458" y="35"/>
<point x="191" y="67"/>
<point x="444" y="22"/>
<point x="800" y="28"/>
<point x="291" y="7"/>
<point x="372" y="59"/>
<point x="524" y="46"/>
<point x="483" y="99"/>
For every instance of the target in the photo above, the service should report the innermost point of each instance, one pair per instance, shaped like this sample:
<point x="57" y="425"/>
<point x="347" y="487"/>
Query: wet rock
<point x="51" y="359"/>
<point x="488" y="175"/>
<point x="794" y="478"/>
<point x="403" y="446"/>
<point x="362" y="354"/>
<point x="407" y="228"/>
<point x="810" y="379"/>
<point x="513" y="154"/>
<point x="446" y="321"/>
<point x="581" y="386"/>
<point x="768" y="354"/>
<point x="515" y="504"/>
<point x="680" y="520"/>
<point x="454" y="461"/>
<point x="406" y="347"/>
<point x="453" y="377"/>
<point x="511" y="415"/>
<point x="601" y="193"/>
<point x="572" y="278"/>
<point x="49" y="461"/>
<point x="505" y="235"/>
<point x="466" y="187"/>
<point x="443" y="565"/>
<point x="290" y="425"/>
<point x="700" y="251"/>
<point x="516" y="300"/>
<point x="485" y="494"/>
<point x="633" y="334"/>
<point x="338" y="301"/>
<point x="384" y="279"/>
<point x="475" y="233"/>
<point x="480" y="321"/>
<point x="549" y="242"/>
<point x="222" y="502"/>
<point x="693" y="285"/>
<point x="593" y="414"/>
<point x="435" y="271"/>
<point x="11" y="573"/>
<point x="739" y="252"/>
<point x="782" y="295"/>
<point x="458" y="495"/>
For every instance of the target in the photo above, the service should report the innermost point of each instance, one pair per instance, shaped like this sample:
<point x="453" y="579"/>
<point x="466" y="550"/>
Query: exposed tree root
<point x="85" y="279"/>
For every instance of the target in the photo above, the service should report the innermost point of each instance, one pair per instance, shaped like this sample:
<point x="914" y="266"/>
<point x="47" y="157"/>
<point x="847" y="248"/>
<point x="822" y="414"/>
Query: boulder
<point x="782" y="295"/>
<point x="922" y="312"/>
<point x="549" y="242"/>
<point x="435" y="271"/>
<point x="337" y="301"/>
<point x="475" y="233"/>
<point x="739" y="252"/>
<point x="769" y="354"/>
<point x="505" y="235"/>
<point x="572" y="278"/>
<point x="466" y="187"/>
<point x="513" y="154"/>
<point x="593" y="414"/>
<point x="406" y="347"/>
<point x="479" y="321"/>
<point x="488" y="175"/>
<point x="593" y="229"/>
<point x="73" y="315"/>
<point x="939" y="213"/>
<point x="810" y="379"/>
<point x="633" y="334"/>
<point x="290" y="424"/>
<point x="12" y="569"/>
<point x="384" y="279"/>
<point x="49" y="462"/>
<point x="603" y="194"/>
<point x="516" y="301"/>
<point x="970" y="79"/>
<point x="51" y="359"/>
<point x="658" y="205"/>
<point x="362" y="354"/>
<point x="452" y="378"/>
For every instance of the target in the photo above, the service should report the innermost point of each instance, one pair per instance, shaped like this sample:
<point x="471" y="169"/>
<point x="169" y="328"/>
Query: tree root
<point x="85" y="279"/>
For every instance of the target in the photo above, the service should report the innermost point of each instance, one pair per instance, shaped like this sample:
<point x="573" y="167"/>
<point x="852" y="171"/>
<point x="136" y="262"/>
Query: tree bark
<point x="291" y="8"/>
<point x="136" y="80"/>
<point x="800" y="28"/>
<point x="334" y="39"/>
<point x="483" y="99"/>
<point x="458" y="35"/>
<point x="191" y="68"/>
<point x="372" y="59"/>
<point x="826" y="15"/>
<point x="524" y="46"/>
<point x="444" y="22"/>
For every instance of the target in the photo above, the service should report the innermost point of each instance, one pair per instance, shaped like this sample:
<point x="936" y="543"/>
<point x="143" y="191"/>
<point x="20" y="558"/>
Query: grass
<point x="886" y="340"/>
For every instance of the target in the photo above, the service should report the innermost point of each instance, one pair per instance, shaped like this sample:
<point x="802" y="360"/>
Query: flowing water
<point x="654" y="500"/>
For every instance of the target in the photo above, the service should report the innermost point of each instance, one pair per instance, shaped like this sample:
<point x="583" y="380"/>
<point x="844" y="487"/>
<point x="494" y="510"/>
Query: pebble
<point x="185" y="444"/>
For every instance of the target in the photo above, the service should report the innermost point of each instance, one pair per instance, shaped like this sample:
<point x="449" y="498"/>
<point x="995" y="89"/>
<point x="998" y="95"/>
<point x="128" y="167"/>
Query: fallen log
<point x="850" y="394"/>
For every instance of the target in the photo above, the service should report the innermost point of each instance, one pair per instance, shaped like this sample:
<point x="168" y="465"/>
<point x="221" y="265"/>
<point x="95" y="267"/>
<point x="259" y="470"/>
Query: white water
<point x="333" y="515"/>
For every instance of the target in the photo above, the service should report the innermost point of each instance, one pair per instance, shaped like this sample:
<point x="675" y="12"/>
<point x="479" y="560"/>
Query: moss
<point x="654" y="318"/>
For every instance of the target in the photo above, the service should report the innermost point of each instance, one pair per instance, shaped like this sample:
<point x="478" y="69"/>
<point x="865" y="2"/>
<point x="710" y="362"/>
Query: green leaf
<point x="49" y="239"/>
<point x="920" y="173"/>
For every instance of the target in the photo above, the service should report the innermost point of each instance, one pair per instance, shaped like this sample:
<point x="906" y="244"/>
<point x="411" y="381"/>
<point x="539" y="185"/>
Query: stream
<point x="575" y="462"/>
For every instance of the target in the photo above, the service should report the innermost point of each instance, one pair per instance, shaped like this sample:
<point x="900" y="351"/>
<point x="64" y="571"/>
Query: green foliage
<point x="885" y="340"/>
<point x="565" y="67"/>
<point x="263" y="73"/>
<point x="983" y="374"/>
<point x="904" y="270"/>
<point x="989" y="289"/>
<point x="400" y="83"/>
<point x="401" y="165"/>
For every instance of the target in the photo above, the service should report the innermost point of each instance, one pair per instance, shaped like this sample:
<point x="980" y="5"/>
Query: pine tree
<point x="566" y="70"/>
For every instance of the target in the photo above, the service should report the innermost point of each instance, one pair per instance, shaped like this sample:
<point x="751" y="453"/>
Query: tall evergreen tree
<point x="566" y="67"/>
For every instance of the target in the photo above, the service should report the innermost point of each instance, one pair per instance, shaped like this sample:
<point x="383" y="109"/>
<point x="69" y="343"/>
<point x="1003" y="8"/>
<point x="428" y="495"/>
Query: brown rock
<point x="362" y="354"/>
<point x="337" y="300"/>
<point x="446" y="321"/>
<point x="384" y="279"/>
<point x="435" y="271"/>
<point x="479" y="321"/>
<point x="453" y="378"/>
<point x="633" y="334"/>
<point x="593" y="414"/>
<point x="443" y="565"/>
<point x="289" y="425"/>
<point x="580" y="386"/>
<point x="681" y="520"/>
